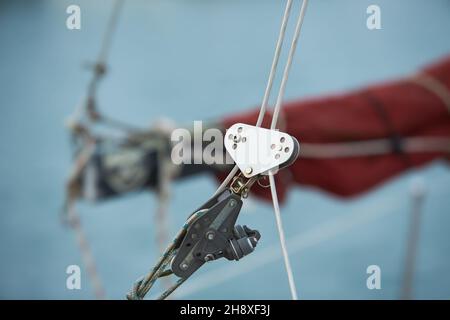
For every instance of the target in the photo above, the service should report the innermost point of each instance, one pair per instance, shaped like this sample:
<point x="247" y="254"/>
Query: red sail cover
<point x="417" y="106"/>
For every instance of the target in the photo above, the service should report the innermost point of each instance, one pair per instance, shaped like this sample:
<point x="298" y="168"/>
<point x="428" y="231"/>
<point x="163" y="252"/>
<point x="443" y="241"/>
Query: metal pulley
<point x="257" y="151"/>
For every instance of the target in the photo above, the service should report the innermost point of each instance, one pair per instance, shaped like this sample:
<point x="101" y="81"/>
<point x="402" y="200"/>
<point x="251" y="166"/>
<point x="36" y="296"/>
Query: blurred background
<point x="197" y="60"/>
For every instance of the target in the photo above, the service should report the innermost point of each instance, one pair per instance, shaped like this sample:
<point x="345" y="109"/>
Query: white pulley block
<point x="258" y="150"/>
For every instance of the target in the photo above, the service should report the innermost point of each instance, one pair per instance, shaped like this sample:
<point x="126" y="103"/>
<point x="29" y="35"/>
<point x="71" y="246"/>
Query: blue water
<point x="194" y="60"/>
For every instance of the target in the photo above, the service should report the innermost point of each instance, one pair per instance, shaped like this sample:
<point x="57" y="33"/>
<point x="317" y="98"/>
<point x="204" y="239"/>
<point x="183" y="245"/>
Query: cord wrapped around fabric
<point x="348" y="147"/>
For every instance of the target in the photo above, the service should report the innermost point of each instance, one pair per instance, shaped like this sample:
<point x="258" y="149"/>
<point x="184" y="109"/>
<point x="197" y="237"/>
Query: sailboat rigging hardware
<point x="211" y="233"/>
<point x="143" y="285"/>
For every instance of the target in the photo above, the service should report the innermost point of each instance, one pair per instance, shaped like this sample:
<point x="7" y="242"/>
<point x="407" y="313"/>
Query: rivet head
<point x="210" y="235"/>
<point x="248" y="170"/>
<point x="184" y="266"/>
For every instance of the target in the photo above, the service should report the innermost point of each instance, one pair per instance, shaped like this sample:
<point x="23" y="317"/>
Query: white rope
<point x="324" y="232"/>
<point x="262" y="111"/>
<point x="276" y="112"/>
<point x="273" y="125"/>
<point x="434" y="86"/>
<point x="280" y="228"/>
<point x="287" y="68"/>
<point x="274" y="66"/>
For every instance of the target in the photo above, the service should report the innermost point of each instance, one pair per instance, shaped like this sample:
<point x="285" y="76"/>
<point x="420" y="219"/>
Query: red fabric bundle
<point x="412" y="107"/>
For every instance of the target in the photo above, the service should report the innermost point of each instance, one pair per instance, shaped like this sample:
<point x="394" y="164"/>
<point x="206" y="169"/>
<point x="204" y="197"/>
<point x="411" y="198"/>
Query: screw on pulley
<point x="210" y="235"/>
<point x="184" y="266"/>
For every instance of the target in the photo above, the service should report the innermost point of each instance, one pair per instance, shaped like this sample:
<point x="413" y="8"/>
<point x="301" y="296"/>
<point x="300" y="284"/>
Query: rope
<point x="86" y="253"/>
<point x="276" y="112"/>
<point x="87" y="107"/>
<point x="273" y="125"/>
<point x="322" y="233"/>
<point x="379" y="108"/>
<point x="144" y="284"/>
<point x="72" y="218"/>
<point x="165" y="171"/>
<point x="274" y="66"/>
<point x="433" y="85"/>
<point x="287" y="68"/>
<point x="262" y="111"/>
<point x="280" y="228"/>
<point x="100" y="65"/>
<point x="374" y="147"/>
<point x="110" y="29"/>
<point x="82" y="110"/>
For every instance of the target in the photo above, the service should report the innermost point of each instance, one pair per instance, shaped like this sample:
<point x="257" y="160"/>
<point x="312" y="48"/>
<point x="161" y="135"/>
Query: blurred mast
<point x="417" y="193"/>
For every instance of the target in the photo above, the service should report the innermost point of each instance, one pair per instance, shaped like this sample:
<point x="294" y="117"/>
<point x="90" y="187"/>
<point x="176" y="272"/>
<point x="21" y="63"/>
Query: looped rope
<point x="144" y="284"/>
<point x="133" y="294"/>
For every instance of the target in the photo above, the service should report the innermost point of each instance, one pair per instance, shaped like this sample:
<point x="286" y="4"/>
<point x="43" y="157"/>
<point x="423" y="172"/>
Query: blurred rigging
<point x="140" y="157"/>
